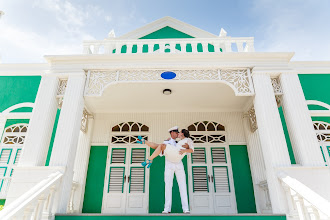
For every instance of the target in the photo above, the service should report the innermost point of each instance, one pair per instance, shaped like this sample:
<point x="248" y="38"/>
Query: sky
<point x="34" y="28"/>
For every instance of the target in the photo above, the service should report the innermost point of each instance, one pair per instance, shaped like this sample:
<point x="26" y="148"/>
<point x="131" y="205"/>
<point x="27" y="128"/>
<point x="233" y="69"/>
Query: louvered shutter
<point x="18" y="155"/>
<point x="138" y="155"/>
<point x="137" y="178"/>
<point x="218" y="155"/>
<point x="116" y="179"/>
<point x="221" y="181"/>
<point x="5" y="156"/>
<point x="118" y="155"/>
<point x="2" y="182"/>
<point x="200" y="181"/>
<point x="198" y="156"/>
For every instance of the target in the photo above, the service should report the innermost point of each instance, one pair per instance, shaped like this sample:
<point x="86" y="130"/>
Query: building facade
<point x="259" y="121"/>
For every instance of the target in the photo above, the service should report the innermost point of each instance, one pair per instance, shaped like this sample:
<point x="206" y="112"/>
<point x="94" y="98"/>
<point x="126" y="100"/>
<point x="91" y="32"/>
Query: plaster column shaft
<point x="300" y="126"/>
<point x="272" y="139"/>
<point x="41" y="124"/>
<point x="66" y="139"/>
<point x="81" y="164"/>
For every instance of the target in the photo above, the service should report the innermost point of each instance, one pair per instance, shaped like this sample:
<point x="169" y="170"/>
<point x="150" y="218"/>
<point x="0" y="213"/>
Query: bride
<point x="172" y="153"/>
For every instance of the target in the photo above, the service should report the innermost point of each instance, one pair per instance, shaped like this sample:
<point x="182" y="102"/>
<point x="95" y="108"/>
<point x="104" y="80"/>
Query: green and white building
<point x="260" y="123"/>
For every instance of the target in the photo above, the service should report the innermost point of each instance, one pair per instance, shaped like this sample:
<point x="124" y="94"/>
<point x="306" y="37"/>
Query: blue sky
<point x="31" y="29"/>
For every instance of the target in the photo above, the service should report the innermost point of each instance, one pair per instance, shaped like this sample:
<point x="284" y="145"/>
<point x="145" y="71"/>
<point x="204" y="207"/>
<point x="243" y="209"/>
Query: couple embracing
<point x="174" y="153"/>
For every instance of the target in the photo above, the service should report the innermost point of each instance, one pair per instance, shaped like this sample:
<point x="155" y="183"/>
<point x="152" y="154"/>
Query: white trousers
<point x="178" y="169"/>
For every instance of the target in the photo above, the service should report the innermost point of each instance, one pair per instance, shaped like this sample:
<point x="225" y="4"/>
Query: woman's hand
<point x="182" y="151"/>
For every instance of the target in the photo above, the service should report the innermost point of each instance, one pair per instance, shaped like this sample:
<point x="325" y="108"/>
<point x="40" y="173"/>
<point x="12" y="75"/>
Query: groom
<point x="178" y="169"/>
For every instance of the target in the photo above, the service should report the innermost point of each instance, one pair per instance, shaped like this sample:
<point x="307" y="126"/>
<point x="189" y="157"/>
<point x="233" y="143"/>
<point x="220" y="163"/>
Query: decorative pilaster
<point x="81" y="165"/>
<point x="300" y="126"/>
<point x="41" y="124"/>
<point x="272" y="138"/>
<point x="66" y="140"/>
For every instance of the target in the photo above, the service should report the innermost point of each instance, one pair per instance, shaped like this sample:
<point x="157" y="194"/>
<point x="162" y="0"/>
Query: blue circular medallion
<point x="168" y="75"/>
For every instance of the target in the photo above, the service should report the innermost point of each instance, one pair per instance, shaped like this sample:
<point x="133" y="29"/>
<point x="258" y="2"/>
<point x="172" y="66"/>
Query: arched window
<point x="207" y="132"/>
<point x="10" y="151"/>
<point x="128" y="132"/>
<point x="322" y="130"/>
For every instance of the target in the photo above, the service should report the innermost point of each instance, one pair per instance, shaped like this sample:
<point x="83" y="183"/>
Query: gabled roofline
<point x="171" y="22"/>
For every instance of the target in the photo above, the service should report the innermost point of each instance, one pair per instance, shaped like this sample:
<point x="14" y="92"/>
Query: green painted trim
<point x="19" y="149"/>
<point x="192" y="155"/>
<point x="207" y="180"/>
<point x="4" y="174"/>
<point x="328" y="147"/>
<point x="122" y="186"/>
<point x="118" y="149"/>
<point x="170" y="217"/>
<point x="11" y="172"/>
<point x="2" y="201"/>
<point x="323" y="155"/>
<point x="215" y="189"/>
<point x="11" y="150"/>
<point x="218" y="148"/>
<point x="144" y="178"/>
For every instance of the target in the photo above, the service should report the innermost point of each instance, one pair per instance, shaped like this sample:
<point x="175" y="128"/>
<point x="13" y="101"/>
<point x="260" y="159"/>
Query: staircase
<point x="169" y="216"/>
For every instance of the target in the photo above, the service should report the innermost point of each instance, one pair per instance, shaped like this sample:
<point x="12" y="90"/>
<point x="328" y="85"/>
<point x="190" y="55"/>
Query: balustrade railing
<point x="186" y="45"/>
<point x="37" y="203"/>
<point x="303" y="202"/>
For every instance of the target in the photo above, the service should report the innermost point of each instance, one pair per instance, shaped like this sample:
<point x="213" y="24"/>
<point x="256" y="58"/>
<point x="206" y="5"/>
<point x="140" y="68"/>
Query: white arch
<point x="17" y="106"/>
<point x="319" y="112"/>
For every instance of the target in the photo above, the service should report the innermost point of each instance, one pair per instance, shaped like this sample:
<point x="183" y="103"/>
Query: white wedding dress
<point x="172" y="153"/>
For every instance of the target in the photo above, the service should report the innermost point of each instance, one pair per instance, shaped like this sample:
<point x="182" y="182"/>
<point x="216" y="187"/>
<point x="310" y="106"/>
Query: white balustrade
<point x="37" y="203"/>
<point x="114" y="46"/>
<point x="303" y="202"/>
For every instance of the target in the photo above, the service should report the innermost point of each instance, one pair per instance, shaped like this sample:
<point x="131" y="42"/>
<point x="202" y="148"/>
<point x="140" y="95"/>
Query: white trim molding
<point x="314" y="113"/>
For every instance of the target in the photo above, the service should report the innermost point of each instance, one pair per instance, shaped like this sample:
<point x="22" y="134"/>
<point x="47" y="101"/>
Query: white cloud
<point x="294" y="26"/>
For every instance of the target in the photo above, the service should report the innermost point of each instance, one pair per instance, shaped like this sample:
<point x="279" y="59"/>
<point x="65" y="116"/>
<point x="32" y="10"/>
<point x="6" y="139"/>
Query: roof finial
<point x="112" y="34"/>
<point x="223" y="33"/>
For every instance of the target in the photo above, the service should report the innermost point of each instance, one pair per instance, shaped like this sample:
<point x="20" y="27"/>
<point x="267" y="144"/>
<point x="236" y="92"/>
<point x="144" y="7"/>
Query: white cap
<point x="175" y="128"/>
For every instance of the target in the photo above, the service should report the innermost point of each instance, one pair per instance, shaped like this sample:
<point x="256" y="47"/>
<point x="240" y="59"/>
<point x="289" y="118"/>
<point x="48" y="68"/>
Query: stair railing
<point x="37" y="203"/>
<point x="303" y="202"/>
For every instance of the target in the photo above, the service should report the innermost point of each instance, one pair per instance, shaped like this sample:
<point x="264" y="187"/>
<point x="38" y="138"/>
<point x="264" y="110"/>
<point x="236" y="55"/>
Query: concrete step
<point x="168" y="216"/>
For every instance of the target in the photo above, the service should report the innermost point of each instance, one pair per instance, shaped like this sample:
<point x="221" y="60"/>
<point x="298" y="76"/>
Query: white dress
<point x="172" y="152"/>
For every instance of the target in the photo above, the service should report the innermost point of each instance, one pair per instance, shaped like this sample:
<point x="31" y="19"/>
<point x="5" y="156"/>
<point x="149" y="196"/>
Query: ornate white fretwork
<point x="276" y="86"/>
<point x="206" y="126"/>
<point x="251" y="114"/>
<point x="130" y="127"/>
<point x="238" y="79"/>
<point x="62" y="86"/>
<point x="322" y="130"/>
<point x="15" y="134"/>
<point x="128" y="132"/>
<point x="207" y="132"/>
<point x="84" y="120"/>
<point x="278" y="99"/>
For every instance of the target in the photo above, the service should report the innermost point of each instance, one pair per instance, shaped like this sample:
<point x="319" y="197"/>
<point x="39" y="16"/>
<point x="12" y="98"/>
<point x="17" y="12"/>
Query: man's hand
<point x="182" y="151"/>
<point x="185" y="146"/>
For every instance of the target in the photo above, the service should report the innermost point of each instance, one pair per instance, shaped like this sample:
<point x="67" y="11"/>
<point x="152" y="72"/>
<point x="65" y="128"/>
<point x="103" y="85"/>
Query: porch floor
<point x="174" y="216"/>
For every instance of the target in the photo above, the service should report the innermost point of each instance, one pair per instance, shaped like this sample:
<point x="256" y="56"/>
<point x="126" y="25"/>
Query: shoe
<point x="147" y="162"/>
<point x="186" y="212"/>
<point x="166" y="212"/>
<point x="141" y="140"/>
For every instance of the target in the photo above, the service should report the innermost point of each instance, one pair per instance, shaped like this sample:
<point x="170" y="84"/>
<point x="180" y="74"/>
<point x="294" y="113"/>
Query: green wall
<point x="95" y="179"/>
<point x="165" y="33"/>
<point x="157" y="187"/>
<point x="53" y="137"/>
<point x="18" y="89"/>
<point x="242" y="179"/>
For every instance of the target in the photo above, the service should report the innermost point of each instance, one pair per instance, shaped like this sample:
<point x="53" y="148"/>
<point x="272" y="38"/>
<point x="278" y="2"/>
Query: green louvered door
<point x="210" y="180"/>
<point x="125" y="181"/>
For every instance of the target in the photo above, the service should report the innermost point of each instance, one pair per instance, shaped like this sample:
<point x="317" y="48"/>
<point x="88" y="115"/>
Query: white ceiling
<point x="149" y="97"/>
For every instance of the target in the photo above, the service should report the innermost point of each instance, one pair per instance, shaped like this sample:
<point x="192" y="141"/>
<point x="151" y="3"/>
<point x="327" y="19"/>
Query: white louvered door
<point x="125" y="182"/>
<point x="211" y="187"/>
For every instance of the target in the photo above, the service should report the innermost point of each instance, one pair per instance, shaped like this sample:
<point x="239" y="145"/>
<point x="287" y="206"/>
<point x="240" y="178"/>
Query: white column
<point x="2" y="125"/>
<point x="274" y="147"/>
<point x="66" y="139"/>
<point x="38" y="137"/>
<point x="300" y="126"/>
<point x="81" y="165"/>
